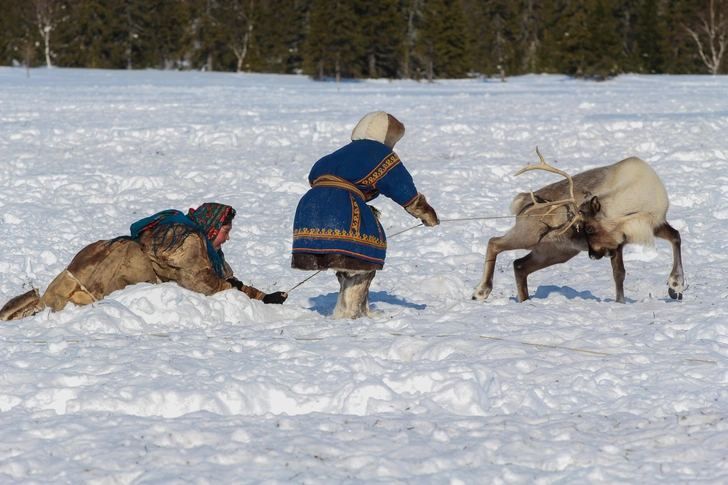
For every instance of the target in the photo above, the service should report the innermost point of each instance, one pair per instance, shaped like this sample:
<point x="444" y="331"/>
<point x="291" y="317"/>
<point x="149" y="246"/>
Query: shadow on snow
<point x="324" y="304"/>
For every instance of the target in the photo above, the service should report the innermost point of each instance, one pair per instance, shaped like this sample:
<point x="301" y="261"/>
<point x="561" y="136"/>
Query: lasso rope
<point x="421" y="224"/>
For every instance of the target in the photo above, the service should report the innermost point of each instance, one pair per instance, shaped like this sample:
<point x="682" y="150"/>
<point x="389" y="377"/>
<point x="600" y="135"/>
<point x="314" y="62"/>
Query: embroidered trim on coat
<point x="389" y="162"/>
<point x="334" y="234"/>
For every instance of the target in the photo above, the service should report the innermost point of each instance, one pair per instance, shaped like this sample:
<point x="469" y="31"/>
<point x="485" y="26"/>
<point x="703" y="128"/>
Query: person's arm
<point x="188" y="265"/>
<point x="251" y="291"/>
<point x="397" y="184"/>
<point x="423" y="211"/>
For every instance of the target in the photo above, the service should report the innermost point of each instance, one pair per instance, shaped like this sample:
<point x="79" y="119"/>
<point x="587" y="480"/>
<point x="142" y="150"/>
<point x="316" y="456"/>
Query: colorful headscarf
<point x="207" y="219"/>
<point x="210" y="217"/>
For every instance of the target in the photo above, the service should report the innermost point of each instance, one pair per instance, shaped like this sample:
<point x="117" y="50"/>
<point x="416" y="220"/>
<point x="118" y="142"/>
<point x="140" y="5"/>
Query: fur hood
<point x="379" y="126"/>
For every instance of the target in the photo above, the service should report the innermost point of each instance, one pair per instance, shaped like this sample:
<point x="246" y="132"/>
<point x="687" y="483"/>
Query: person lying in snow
<point x="335" y="229"/>
<point x="168" y="246"/>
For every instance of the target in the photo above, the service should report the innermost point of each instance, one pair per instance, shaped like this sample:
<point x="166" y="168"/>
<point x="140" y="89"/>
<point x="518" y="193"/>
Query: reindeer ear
<point x="596" y="206"/>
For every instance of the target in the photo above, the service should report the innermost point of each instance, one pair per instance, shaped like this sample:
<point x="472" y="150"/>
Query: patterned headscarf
<point x="210" y="217"/>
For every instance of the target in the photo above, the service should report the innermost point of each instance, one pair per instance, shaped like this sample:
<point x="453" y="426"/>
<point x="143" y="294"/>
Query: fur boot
<point x="21" y="306"/>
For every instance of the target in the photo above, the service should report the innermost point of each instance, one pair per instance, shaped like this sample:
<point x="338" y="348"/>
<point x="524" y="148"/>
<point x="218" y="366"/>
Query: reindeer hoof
<point x="674" y="294"/>
<point x="479" y="296"/>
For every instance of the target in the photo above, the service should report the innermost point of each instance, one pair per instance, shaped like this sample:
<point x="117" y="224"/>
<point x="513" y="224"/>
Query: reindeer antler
<point x="553" y="205"/>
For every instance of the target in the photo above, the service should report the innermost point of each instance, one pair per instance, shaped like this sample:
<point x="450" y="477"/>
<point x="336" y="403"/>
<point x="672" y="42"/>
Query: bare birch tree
<point x="241" y="29"/>
<point x="48" y="14"/>
<point x="711" y="37"/>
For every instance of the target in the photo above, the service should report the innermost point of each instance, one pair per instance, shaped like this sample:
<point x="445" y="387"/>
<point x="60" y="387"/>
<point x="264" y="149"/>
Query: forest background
<point x="350" y="39"/>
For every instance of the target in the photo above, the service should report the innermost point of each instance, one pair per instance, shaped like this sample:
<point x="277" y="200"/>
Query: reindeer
<point x="619" y="204"/>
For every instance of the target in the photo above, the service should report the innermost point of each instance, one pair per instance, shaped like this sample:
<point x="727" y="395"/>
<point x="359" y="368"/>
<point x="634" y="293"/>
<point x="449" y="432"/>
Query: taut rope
<point x="421" y="224"/>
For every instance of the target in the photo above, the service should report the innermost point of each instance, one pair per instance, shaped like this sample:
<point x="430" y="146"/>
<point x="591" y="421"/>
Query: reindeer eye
<point x="590" y="230"/>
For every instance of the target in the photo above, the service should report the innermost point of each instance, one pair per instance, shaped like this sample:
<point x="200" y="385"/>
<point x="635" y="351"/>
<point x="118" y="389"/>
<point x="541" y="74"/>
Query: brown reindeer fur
<point x="618" y="204"/>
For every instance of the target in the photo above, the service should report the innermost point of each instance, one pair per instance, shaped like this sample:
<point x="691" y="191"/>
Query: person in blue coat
<point x="334" y="228"/>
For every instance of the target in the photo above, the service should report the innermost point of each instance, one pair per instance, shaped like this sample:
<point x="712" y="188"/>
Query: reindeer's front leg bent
<point x="486" y="285"/>
<point x="677" y="278"/>
<point x="539" y="258"/>
<point x="619" y="273"/>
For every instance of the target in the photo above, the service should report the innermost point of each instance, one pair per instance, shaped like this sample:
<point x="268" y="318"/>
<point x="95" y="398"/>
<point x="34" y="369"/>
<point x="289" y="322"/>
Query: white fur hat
<point x="373" y="126"/>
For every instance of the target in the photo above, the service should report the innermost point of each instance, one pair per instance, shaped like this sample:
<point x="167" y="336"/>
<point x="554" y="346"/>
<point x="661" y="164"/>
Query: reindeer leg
<point x="353" y="300"/>
<point x="540" y="258"/>
<point x="619" y="273"/>
<point x="495" y="247"/>
<point x="677" y="278"/>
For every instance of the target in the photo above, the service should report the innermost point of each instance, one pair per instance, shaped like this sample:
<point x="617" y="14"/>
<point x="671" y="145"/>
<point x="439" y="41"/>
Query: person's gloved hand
<point x="423" y="211"/>
<point x="236" y="283"/>
<point x="278" y="297"/>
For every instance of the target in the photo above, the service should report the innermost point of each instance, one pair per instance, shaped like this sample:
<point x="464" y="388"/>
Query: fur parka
<point x="109" y="265"/>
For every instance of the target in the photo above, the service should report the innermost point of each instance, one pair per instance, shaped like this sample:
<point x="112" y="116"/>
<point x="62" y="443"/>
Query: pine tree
<point x="444" y="43"/>
<point x="204" y="36"/>
<point x="167" y="21"/>
<point x="86" y="38"/>
<point x="280" y="35"/>
<point x="18" y="34"/>
<point x="650" y="38"/>
<point x="237" y="19"/>
<point x="680" y="56"/>
<point x="552" y="35"/>
<point x="412" y="11"/>
<point x="383" y="32"/>
<point x="604" y="47"/>
<point x="334" y="46"/>
<point x="574" y="34"/>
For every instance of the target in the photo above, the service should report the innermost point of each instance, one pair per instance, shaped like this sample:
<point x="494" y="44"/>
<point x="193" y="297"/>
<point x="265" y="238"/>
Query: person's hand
<point x="236" y="283"/>
<point x="278" y="297"/>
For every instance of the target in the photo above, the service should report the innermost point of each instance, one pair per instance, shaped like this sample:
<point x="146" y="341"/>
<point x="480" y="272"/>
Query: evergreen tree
<point x="131" y="34"/>
<point x="87" y="37"/>
<point x="281" y="33"/>
<point x="574" y="34"/>
<point x="383" y="32"/>
<point x="495" y="27"/>
<point x="238" y="19"/>
<point x="682" y="57"/>
<point x="551" y="49"/>
<point x="412" y="12"/>
<point x="444" y="43"/>
<point x="650" y="38"/>
<point x="604" y="47"/>
<point x="334" y="46"/>
<point x="204" y="35"/>
<point x="528" y="39"/>
<point x="18" y="34"/>
<point x="167" y="21"/>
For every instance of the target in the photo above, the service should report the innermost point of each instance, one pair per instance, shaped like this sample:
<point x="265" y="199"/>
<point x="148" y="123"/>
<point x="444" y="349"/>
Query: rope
<point x="302" y="282"/>
<point x="319" y="271"/>
<point x="441" y="220"/>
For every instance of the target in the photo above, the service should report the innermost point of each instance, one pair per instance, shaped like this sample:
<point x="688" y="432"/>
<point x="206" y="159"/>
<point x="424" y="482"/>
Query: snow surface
<point x="156" y="384"/>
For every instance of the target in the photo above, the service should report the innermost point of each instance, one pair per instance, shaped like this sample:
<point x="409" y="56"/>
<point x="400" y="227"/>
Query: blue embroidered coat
<point x="333" y="217"/>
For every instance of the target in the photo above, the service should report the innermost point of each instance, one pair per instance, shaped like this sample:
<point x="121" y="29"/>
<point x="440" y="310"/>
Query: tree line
<point x="397" y="39"/>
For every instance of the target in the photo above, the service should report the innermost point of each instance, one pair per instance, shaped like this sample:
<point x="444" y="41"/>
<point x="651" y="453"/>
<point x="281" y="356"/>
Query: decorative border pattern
<point x="338" y="234"/>
<point x="380" y="170"/>
<point x="355" y="217"/>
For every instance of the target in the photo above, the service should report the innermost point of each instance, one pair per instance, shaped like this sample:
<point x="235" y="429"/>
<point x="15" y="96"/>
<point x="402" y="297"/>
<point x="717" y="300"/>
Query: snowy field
<point x="159" y="385"/>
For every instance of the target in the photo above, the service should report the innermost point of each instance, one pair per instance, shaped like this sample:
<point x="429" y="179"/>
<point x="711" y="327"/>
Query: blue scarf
<point x="167" y="220"/>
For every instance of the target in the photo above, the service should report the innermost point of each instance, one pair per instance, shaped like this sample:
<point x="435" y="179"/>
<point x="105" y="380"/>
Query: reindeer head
<point x="601" y="237"/>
